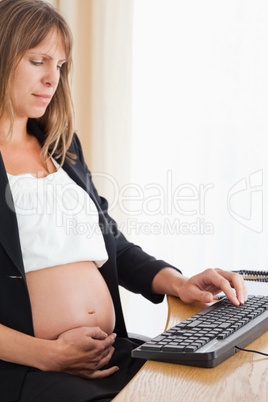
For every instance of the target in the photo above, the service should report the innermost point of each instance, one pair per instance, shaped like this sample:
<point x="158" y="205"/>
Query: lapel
<point x="9" y="234"/>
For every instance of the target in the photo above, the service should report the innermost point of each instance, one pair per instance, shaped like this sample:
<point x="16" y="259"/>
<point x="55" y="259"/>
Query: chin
<point x="37" y="114"/>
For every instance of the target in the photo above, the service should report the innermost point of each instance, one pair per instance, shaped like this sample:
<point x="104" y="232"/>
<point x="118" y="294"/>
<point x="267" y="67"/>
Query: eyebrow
<point x="47" y="56"/>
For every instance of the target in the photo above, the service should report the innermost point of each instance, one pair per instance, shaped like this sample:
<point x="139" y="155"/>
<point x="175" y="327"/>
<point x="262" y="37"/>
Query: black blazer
<point x="127" y="265"/>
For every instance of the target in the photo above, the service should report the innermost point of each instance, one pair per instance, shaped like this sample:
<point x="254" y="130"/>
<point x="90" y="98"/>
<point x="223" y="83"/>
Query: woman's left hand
<point x="204" y="286"/>
<point x="201" y="287"/>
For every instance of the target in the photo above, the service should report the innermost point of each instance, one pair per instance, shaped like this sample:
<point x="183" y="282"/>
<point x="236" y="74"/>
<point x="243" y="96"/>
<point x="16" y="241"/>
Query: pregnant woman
<point x="60" y="308"/>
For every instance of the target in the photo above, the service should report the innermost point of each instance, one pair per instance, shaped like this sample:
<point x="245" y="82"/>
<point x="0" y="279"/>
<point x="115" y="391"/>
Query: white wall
<point x="199" y="131"/>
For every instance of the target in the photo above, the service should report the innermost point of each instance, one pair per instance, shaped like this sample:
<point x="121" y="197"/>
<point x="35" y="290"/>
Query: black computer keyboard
<point x="211" y="336"/>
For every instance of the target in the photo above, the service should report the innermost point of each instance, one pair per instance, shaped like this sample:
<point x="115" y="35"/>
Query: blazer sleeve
<point x="136" y="269"/>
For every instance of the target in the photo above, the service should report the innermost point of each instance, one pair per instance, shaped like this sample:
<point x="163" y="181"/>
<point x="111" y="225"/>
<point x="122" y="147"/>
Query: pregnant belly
<point x="69" y="296"/>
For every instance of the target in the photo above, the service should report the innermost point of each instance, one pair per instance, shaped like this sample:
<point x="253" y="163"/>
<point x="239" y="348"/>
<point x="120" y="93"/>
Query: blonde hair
<point x="24" y="24"/>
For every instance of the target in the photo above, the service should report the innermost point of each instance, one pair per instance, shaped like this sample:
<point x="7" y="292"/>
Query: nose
<point x="52" y="76"/>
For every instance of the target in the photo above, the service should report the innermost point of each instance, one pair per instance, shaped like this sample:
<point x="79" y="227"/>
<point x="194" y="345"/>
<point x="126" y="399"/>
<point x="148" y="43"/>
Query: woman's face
<point x="36" y="77"/>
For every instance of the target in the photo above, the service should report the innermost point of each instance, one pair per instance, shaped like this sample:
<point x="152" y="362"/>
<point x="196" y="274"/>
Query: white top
<point x="58" y="222"/>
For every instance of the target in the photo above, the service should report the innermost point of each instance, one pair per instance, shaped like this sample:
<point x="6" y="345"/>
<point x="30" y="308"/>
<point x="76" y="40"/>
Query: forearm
<point x="168" y="281"/>
<point x="19" y="348"/>
<point x="81" y="351"/>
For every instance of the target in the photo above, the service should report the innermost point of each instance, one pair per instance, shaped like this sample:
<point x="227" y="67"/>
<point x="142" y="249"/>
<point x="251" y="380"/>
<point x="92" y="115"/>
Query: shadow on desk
<point x="242" y="377"/>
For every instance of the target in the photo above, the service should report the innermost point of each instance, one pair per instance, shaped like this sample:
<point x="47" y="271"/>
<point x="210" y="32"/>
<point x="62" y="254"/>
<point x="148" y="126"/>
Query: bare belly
<point x="69" y="296"/>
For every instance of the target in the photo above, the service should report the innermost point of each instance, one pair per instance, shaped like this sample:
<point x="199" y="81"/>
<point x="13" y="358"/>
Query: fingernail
<point x="238" y="302"/>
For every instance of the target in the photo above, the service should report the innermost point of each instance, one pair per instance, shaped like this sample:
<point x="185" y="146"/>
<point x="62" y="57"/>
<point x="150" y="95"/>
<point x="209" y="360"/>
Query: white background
<point x="199" y="131"/>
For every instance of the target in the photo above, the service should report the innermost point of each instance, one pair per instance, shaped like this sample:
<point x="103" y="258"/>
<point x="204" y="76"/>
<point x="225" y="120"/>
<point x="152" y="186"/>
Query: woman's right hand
<point x="84" y="351"/>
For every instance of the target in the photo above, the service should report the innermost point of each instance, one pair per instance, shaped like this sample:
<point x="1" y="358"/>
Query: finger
<point x="100" y="345"/>
<point x="194" y="293"/>
<point x="211" y="282"/>
<point x="218" y="278"/>
<point x="96" y="333"/>
<point x="108" y="341"/>
<point x="103" y="347"/>
<point x="205" y="297"/>
<point x="105" y="359"/>
<point x="86" y="367"/>
<point x="103" y="373"/>
<point x="238" y="283"/>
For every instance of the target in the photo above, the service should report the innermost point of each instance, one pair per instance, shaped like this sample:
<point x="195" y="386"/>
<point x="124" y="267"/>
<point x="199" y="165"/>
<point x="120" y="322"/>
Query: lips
<point x="44" y="98"/>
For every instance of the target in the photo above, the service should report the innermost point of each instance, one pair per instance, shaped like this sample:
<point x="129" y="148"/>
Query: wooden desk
<point x="242" y="377"/>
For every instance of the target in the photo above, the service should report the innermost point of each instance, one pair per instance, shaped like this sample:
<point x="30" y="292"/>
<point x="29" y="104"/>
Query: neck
<point x="19" y="131"/>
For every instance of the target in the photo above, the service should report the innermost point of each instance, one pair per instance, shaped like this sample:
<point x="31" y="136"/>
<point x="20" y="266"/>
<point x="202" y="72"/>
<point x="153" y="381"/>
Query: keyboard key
<point x="175" y="348"/>
<point x="205" y="339"/>
<point x="152" y="346"/>
<point x="194" y="323"/>
<point x="236" y="326"/>
<point x="158" y="338"/>
<point x="191" y="348"/>
<point x="225" y="325"/>
<point x="222" y="336"/>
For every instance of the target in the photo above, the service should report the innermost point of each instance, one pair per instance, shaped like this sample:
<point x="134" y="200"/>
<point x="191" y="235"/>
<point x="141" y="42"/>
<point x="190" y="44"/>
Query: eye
<point x="36" y="63"/>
